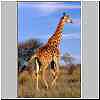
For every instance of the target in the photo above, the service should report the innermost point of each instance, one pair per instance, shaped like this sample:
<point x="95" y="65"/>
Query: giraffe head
<point x="66" y="18"/>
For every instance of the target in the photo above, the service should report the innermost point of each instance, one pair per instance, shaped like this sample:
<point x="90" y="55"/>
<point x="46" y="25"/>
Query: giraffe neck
<point x="55" y="39"/>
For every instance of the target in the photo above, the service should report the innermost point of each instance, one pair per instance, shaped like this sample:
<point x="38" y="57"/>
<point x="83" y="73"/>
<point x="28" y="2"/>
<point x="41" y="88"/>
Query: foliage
<point x="68" y="58"/>
<point x="26" y="50"/>
<point x="67" y="86"/>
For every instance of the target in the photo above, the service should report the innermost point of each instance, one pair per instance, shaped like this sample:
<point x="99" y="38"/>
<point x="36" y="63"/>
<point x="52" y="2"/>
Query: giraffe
<point x="50" y="51"/>
<point x="54" y="42"/>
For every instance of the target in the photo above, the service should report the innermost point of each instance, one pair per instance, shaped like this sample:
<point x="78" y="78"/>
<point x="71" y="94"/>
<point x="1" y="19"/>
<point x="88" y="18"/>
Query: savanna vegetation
<point x="68" y="84"/>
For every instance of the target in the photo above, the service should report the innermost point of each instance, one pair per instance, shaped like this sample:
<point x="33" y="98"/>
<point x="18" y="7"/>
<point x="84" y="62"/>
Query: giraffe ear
<point x="64" y="13"/>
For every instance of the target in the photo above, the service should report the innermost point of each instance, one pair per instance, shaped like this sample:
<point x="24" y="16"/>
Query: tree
<point x="26" y="50"/>
<point x="68" y="59"/>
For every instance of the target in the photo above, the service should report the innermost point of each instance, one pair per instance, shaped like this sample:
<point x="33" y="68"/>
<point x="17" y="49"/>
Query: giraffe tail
<point x="32" y="58"/>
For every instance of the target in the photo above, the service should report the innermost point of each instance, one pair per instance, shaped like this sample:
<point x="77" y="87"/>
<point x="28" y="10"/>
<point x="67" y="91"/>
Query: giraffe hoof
<point x="46" y="87"/>
<point x="53" y="84"/>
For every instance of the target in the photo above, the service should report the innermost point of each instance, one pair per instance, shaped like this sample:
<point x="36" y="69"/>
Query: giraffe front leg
<point x="54" y="80"/>
<point x="55" y="74"/>
<point x="43" y="76"/>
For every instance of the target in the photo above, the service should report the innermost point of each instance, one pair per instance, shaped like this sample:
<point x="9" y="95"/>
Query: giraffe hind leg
<point x="37" y="73"/>
<point x="43" y="76"/>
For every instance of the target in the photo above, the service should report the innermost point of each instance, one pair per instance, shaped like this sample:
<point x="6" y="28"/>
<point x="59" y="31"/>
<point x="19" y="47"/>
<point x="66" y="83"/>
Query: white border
<point x="81" y="49"/>
<point x="43" y="0"/>
<point x="0" y="49"/>
<point x="49" y="0"/>
<point x="98" y="48"/>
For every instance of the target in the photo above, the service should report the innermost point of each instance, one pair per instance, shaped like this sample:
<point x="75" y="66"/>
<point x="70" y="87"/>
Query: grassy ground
<point x="68" y="85"/>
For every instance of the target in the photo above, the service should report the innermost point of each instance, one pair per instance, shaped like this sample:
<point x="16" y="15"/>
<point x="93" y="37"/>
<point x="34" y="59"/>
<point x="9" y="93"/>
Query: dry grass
<point x="68" y="85"/>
